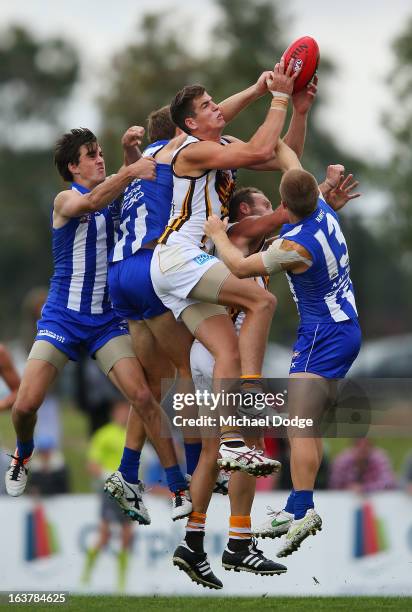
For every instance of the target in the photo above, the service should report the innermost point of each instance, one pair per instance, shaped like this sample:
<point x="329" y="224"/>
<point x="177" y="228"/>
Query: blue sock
<point x="25" y="449"/>
<point x="290" y="504"/>
<point x="175" y="479"/>
<point x="303" y="501"/>
<point x="192" y="452"/>
<point x="129" y="465"/>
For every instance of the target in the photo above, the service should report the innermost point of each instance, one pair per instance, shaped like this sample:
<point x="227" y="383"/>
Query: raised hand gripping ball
<point x="305" y="52"/>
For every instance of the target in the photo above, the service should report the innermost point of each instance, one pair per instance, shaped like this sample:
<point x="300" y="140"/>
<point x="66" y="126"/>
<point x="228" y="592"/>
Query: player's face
<point x="207" y="114"/>
<point x="91" y="167"/>
<point x="261" y="205"/>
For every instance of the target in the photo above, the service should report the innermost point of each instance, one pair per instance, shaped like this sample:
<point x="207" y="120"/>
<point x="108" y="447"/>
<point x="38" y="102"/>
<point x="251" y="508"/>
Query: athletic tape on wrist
<point x="280" y="94"/>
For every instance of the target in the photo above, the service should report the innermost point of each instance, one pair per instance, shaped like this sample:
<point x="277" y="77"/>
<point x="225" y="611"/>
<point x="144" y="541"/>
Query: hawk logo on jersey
<point x="225" y="185"/>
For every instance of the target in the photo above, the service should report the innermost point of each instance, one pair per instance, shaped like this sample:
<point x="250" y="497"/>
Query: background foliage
<point x="37" y="77"/>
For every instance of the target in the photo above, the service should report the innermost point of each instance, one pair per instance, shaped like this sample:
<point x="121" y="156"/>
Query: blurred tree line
<point x="36" y="78"/>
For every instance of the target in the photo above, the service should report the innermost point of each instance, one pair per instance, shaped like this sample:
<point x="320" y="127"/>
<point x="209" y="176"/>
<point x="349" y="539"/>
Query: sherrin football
<point x="305" y="52"/>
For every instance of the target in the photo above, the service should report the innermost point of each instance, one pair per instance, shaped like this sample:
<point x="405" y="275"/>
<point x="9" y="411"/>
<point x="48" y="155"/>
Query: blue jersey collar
<point x="289" y="226"/>
<point x="80" y="188"/>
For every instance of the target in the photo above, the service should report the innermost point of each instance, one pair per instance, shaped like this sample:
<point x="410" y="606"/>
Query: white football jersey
<point x="194" y="199"/>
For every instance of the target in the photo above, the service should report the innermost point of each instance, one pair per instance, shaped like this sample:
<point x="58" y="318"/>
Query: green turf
<point x="244" y="604"/>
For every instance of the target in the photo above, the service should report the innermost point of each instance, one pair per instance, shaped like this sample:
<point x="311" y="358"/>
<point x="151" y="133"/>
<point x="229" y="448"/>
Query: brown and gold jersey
<point x="194" y="199"/>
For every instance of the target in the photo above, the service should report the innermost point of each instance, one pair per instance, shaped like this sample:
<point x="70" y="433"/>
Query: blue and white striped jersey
<point x="80" y="253"/>
<point x="324" y="293"/>
<point x="145" y="209"/>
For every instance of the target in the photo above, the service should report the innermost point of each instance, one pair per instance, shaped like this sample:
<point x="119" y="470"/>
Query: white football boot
<point x="129" y="497"/>
<point x="274" y="527"/>
<point x="181" y="504"/>
<point x="248" y="460"/>
<point x="17" y="474"/>
<point x="299" y="530"/>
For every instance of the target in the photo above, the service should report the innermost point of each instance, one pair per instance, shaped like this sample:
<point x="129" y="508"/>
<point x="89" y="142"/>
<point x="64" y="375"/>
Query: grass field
<point x="225" y="604"/>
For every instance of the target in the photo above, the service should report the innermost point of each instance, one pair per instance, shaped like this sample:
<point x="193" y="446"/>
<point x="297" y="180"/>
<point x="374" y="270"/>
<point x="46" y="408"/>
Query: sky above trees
<point x="355" y="35"/>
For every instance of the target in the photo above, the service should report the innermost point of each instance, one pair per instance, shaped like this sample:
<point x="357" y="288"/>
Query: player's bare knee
<point x="141" y="398"/>
<point x="27" y="405"/>
<point x="268" y="302"/>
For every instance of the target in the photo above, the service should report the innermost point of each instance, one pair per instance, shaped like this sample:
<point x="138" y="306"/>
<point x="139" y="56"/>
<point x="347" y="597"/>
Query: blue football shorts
<point x="68" y="330"/>
<point x="327" y="349"/>
<point x="131" y="289"/>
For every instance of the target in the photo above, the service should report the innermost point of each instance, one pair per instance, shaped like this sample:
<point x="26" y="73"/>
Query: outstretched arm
<point x="208" y="155"/>
<point x="337" y="189"/>
<point x="286" y="255"/>
<point x="240" y="266"/>
<point x="72" y="204"/>
<point x="302" y="103"/>
<point x="131" y="142"/>
<point x="235" y="104"/>
<point x="296" y="134"/>
<point x="252" y="229"/>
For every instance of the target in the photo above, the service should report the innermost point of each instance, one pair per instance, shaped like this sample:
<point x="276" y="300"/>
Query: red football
<point x="305" y="52"/>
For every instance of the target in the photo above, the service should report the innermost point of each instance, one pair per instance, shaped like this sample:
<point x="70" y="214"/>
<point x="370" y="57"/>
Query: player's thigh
<point x="158" y="369"/>
<point x="42" y="368"/>
<point x="128" y="376"/>
<point x="174" y="338"/>
<point x="149" y="351"/>
<point x="217" y="333"/>
<point x="244" y="292"/>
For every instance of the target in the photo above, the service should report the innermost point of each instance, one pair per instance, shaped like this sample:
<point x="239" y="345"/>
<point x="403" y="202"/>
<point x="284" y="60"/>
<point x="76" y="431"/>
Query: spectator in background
<point x="106" y="445"/>
<point x="94" y="393"/>
<point x="363" y="468"/>
<point x="406" y="474"/>
<point x="9" y="375"/>
<point x="49" y="474"/>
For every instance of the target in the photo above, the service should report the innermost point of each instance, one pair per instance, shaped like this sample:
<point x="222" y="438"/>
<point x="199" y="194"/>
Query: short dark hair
<point x="67" y="150"/>
<point x="299" y="190"/>
<point x="244" y="194"/>
<point x="160" y="125"/>
<point x="181" y="106"/>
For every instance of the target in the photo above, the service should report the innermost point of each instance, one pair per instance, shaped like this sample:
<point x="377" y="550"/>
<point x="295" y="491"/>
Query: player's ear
<point x="190" y="123"/>
<point x="283" y="204"/>
<point x="72" y="167"/>
<point x="244" y="208"/>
